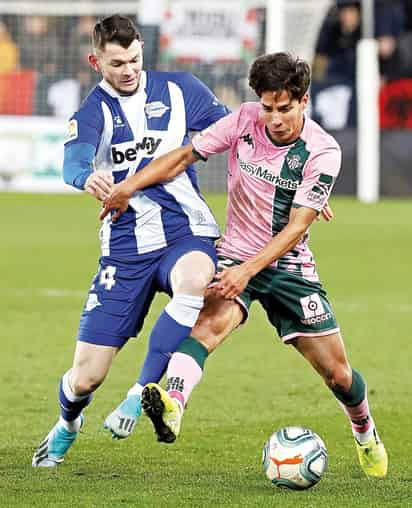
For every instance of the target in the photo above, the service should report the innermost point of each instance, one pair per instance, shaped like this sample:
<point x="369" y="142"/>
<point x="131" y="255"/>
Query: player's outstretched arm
<point x="162" y="169"/>
<point x="232" y="281"/>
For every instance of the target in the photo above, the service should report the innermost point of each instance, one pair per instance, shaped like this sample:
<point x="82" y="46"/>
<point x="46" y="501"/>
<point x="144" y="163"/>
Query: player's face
<point x="283" y="116"/>
<point x="120" y="67"/>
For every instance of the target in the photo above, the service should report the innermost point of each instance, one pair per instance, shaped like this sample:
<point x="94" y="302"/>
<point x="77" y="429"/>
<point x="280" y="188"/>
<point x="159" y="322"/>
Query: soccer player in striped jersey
<point x="281" y="169"/>
<point x="163" y="242"/>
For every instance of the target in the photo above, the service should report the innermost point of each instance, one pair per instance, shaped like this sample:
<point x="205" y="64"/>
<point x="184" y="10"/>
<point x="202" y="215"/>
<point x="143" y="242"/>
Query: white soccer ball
<point x="294" y="458"/>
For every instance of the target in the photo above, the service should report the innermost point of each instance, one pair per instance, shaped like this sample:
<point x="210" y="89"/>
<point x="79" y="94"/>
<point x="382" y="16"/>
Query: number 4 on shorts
<point x="107" y="277"/>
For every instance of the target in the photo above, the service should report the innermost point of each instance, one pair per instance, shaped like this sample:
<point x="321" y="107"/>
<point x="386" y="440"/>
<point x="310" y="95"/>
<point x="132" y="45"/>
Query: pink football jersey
<point x="266" y="180"/>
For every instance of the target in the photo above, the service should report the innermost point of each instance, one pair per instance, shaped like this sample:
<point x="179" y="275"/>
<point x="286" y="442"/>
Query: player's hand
<point x="327" y="213"/>
<point x="231" y="281"/>
<point x="99" y="184"/>
<point x="118" y="200"/>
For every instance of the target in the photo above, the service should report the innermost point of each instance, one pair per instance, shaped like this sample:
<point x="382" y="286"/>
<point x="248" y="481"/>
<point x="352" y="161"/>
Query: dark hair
<point x="116" y="28"/>
<point x="280" y="71"/>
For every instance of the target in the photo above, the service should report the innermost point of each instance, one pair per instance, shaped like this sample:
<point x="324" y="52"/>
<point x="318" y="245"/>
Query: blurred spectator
<point x="335" y="48"/>
<point x="8" y="50"/>
<point x="335" y="53"/>
<point x="39" y="48"/>
<point x="40" y="51"/>
<point x="79" y="47"/>
<point x="405" y="41"/>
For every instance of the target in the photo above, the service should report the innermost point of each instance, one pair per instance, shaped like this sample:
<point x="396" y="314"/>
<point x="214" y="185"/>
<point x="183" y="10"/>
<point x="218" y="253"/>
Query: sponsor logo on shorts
<point x="264" y="174"/>
<point x="313" y="310"/>
<point x="92" y="302"/>
<point x="317" y="320"/>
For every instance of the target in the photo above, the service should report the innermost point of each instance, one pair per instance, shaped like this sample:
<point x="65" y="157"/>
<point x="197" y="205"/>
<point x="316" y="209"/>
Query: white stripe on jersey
<point x="149" y="231"/>
<point x="138" y="123"/>
<point x="104" y="236"/>
<point x="201" y="220"/>
<point x="102" y="158"/>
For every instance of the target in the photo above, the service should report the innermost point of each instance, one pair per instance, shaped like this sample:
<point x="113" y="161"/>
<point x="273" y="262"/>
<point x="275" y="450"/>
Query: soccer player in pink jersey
<point x="281" y="169"/>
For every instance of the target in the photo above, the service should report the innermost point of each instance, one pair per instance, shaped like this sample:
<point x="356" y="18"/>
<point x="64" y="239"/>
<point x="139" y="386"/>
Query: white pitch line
<point x="50" y="292"/>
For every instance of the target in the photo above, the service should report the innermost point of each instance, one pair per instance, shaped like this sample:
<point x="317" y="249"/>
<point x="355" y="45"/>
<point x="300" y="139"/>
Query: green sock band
<point x="356" y="393"/>
<point x="191" y="347"/>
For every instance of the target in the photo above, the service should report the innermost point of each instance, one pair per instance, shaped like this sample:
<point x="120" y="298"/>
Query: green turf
<point x="253" y="384"/>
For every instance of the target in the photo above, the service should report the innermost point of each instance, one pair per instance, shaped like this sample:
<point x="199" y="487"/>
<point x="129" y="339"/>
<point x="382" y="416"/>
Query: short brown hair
<point x="280" y="71"/>
<point x="116" y="28"/>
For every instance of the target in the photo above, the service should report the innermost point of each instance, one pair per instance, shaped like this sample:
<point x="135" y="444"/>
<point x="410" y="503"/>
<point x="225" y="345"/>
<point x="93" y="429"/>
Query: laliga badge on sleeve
<point x="72" y="131"/>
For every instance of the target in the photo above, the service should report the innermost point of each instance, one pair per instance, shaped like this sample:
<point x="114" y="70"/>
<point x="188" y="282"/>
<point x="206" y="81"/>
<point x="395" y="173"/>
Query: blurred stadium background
<point x="44" y="73"/>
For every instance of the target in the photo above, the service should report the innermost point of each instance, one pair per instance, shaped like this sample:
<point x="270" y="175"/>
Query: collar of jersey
<point x="112" y="92"/>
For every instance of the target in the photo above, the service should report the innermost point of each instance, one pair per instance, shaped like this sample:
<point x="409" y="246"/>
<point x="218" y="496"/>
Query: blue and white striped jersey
<point x="122" y="134"/>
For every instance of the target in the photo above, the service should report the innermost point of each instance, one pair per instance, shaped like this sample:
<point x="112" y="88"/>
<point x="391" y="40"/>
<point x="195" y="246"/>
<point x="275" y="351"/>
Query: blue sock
<point x="175" y="323"/>
<point x="71" y="405"/>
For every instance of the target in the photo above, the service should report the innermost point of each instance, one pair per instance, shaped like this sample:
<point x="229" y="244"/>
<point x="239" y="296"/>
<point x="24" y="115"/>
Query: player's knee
<point x="210" y="331"/>
<point x="192" y="274"/>
<point x="338" y="377"/>
<point x="193" y="283"/>
<point x="84" y="384"/>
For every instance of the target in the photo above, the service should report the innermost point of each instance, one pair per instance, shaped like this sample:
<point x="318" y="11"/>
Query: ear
<point x="93" y="62"/>
<point x="305" y="100"/>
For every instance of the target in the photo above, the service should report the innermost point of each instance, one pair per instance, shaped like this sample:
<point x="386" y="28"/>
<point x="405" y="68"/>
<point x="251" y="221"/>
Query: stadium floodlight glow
<point x="367" y="85"/>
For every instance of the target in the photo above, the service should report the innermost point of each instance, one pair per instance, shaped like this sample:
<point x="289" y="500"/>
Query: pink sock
<point x="359" y="416"/>
<point x="183" y="374"/>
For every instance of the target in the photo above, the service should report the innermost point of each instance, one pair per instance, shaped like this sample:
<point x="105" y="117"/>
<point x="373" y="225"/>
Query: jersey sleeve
<point x="218" y="138"/>
<point x="202" y="106"/>
<point x="84" y="134"/>
<point x="319" y="179"/>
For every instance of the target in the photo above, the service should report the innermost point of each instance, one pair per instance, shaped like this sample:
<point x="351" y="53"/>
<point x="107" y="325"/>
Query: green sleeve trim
<point x="198" y="155"/>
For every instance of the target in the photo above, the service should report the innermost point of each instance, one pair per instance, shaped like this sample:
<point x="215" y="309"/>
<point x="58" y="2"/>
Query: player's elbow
<point x="298" y="230"/>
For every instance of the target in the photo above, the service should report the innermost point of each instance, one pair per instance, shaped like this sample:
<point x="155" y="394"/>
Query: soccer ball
<point x="294" y="458"/>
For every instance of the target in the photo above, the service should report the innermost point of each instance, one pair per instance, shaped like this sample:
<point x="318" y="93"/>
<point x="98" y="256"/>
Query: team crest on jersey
<point x="155" y="109"/>
<point x="72" y="131"/>
<point x="294" y="162"/>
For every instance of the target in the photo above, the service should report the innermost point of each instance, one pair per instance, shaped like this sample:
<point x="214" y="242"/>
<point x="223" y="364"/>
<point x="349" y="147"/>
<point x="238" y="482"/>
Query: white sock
<point x="73" y="426"/>
<point x="136" y="389"/>
<point x="364" y="437"/>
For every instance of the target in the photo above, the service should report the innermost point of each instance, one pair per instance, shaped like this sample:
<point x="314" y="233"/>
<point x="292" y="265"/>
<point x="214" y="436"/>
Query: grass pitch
<point x="253" y="384"/>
